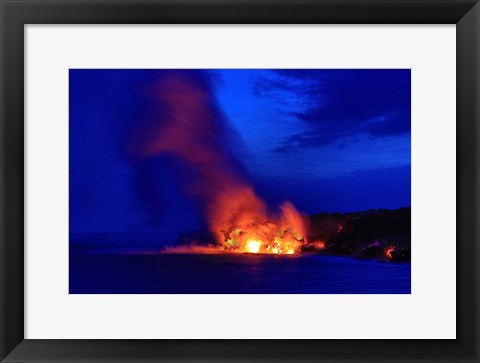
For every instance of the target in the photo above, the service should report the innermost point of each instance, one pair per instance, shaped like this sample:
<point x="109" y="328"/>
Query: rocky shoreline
<point x="379" y="233"/>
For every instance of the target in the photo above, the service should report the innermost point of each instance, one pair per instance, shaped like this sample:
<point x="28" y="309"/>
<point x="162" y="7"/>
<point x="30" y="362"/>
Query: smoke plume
<point x="185" y="122"/>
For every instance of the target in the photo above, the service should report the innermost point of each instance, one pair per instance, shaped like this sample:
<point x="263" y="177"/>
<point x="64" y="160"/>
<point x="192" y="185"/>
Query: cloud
<point x="337" y="106"/>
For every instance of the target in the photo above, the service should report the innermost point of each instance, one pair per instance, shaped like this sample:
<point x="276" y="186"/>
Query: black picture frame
<point x="17" y="13"/>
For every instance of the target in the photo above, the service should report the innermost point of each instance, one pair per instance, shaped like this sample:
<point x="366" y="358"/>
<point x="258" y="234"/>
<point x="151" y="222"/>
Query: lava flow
<point x="388" y="252"/>
<point x="189" y="126"/>
<point x="253" y="231"/>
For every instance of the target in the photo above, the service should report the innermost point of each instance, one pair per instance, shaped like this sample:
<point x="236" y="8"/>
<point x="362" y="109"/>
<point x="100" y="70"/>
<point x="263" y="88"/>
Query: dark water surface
<point x="234" y="274"/>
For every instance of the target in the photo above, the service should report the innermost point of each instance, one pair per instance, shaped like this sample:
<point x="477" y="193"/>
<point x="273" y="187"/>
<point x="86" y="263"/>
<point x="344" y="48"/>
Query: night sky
<point x="327" y="140"/>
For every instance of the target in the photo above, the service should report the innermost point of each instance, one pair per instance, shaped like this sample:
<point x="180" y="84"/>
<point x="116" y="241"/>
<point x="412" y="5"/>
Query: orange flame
<point x="239" y="221"/>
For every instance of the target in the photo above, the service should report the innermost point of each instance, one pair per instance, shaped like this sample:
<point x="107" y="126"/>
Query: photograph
<point x="239" y="181"/>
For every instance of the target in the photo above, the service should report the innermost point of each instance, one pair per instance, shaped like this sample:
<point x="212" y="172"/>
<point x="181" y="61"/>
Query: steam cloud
<point x="185" y="122"/>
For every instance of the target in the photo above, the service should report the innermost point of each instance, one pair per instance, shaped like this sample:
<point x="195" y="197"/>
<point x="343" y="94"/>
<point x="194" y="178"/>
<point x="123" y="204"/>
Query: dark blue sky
<point x="327" y="140"/>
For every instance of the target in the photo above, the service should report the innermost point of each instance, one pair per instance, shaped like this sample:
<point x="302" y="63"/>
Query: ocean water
<point x="115" y="273"/>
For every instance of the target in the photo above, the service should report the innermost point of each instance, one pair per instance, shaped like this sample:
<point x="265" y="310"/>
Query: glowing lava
<point x="253" y="246"/>
<point x="388" y="252"/>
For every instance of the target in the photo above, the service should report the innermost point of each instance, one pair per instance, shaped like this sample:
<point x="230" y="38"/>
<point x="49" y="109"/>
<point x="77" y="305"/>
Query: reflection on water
<point x="234" y="274"/>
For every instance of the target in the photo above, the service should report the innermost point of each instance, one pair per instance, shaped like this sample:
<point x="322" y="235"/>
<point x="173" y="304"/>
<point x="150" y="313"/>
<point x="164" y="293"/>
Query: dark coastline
<point x="376" y="233"/>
